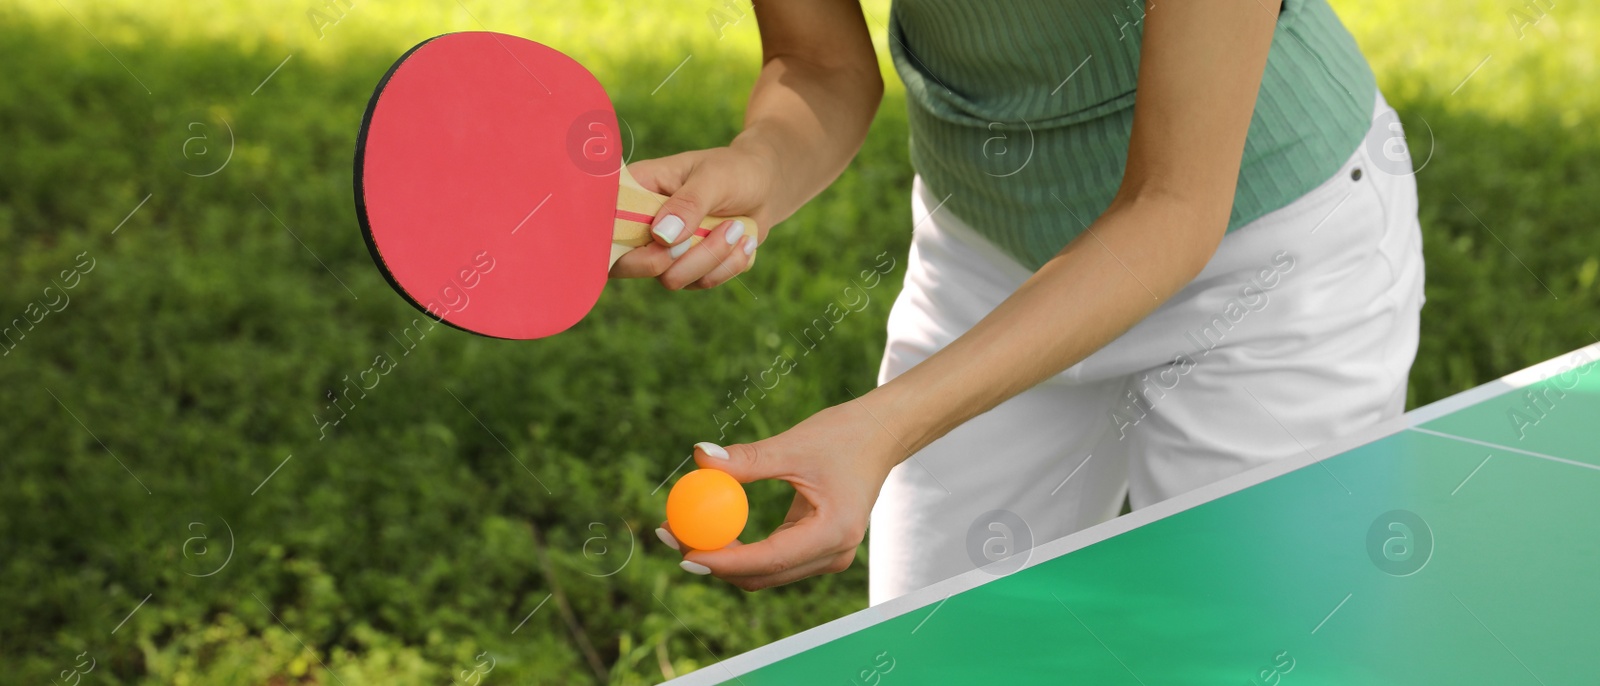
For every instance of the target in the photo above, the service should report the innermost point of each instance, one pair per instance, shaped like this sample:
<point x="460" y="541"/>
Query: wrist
<point x="905" y="415"/>
<point x="759" y="142"/>
<point x="765" y="145"/>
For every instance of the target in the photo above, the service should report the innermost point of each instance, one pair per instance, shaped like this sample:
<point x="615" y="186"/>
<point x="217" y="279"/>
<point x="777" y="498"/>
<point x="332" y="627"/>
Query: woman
<point x="1152" y="249"/>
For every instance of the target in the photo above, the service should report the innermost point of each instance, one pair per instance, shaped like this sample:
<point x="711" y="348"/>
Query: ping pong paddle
<point x="490" y="186"/>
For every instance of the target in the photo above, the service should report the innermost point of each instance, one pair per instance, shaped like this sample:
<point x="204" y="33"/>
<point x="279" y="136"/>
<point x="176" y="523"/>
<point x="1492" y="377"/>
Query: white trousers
<point x="1301" y="328"/>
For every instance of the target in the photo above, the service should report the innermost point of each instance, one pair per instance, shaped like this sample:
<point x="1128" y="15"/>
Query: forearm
<point x="808" y="121"/>
<point x="1136" y="256"/>
<point x="817" y="93"/>
<point x="1200" y="69"/>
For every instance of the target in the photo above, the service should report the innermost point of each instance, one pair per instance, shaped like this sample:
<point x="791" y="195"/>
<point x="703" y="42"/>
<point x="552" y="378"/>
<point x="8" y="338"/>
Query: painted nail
<point x="678" y="250"/>
<point x="694" y="568"/>
<point x="668" y="228"/>
<point x="713" y="450"/>
<point x="666" y="537"/>
<point x="750" y="245"/>
<point x="734" y="232"/>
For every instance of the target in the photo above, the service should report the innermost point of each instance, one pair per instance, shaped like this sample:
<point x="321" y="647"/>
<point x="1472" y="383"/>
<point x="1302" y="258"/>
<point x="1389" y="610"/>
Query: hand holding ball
<point x="707" y="509"/>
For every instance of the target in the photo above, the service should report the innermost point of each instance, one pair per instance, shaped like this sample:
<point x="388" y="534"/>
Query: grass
<point x="492" y="500"/>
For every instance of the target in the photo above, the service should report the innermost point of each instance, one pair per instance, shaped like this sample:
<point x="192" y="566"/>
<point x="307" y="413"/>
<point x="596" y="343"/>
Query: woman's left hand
<point x="837" y="460"/>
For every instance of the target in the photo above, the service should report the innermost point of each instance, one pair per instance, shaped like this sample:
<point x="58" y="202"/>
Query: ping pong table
<point x="1456" y="544"/>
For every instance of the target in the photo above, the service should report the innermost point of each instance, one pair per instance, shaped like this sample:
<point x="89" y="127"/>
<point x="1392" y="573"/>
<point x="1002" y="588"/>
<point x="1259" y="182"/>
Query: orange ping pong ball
<point x="707" y="509"/>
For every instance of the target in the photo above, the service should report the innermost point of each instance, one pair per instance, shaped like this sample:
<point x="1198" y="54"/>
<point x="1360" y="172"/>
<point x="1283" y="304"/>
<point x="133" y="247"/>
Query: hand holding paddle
<point x="490" y="188"/>
<point x="731" y="180"/>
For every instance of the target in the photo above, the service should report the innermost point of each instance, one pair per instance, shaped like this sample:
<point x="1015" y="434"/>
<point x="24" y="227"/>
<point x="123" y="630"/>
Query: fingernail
<point x="750" y="245"/>
<point x="713" y="450"/>
<point x="668" y="228"/>
<point x="694" y="568"/>
<point x="678" y="250"/>
<point x="666" y="537"/>
<point x="734" y="232"/>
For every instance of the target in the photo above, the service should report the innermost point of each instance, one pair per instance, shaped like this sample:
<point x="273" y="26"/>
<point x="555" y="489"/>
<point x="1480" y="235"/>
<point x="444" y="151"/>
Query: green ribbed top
<point x="1015" y="103"/>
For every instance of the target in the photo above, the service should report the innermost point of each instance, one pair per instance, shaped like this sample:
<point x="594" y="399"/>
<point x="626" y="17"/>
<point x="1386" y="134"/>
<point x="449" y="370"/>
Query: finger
<point x="798" y="510"/>
<point x="746" y="463"/>
<point x="695" y="261"/>
<point x="644" y="262"/>
<point x="736" y="263"/>
<point x="827" y="565"/>
<point x="664" y="532"/>
<point x="664" y="175"/>
<point x="811" y="538"/>
<point x="675" y="220"/>
<point x="681" y="214"/>
<point x="669" y="539"/>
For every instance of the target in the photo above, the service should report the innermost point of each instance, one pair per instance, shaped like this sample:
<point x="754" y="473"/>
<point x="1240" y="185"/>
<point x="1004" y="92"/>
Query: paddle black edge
<point x="361" y="194"/>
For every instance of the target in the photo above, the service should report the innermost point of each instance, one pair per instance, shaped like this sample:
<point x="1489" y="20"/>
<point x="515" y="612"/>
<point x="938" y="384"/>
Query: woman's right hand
<point x="837" y="461"/>
<point x="731" y="181"/>
<point x="809" y="111"/>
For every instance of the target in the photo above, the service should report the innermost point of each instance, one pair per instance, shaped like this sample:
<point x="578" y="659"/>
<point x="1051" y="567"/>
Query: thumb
<point x="746" y="462"/>
<point x="698" y="194"/>
<point x="663" y="175"/>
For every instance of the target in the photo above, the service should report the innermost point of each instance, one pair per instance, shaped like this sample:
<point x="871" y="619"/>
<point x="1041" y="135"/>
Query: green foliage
<point x="1507" y="210"/>
<point x="435" y="522"/>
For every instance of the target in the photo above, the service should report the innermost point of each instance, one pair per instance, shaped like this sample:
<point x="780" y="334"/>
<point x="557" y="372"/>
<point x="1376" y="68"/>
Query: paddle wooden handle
<point x="637" y="206"/>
